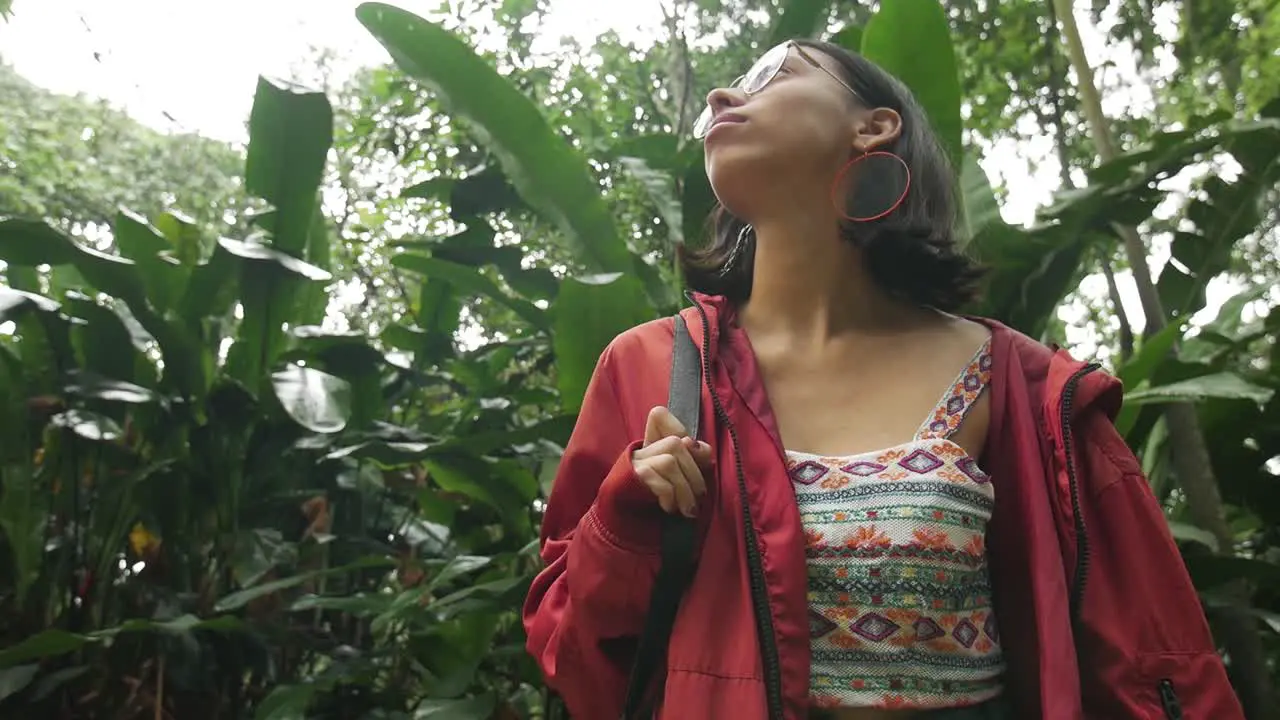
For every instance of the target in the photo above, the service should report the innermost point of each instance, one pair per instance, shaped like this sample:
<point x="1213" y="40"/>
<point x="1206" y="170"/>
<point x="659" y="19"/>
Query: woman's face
<point x="802" y="122"/>
<point x="785" y="136"/>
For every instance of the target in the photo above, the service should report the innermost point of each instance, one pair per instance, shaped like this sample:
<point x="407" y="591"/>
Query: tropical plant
<point x="215" y="501"/>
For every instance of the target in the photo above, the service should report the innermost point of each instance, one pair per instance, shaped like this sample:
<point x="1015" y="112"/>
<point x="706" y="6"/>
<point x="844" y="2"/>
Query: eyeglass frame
<point x="707" y="115"/>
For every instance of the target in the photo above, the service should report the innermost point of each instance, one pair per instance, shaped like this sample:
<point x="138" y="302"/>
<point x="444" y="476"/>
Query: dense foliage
<point x="278" y="420"/>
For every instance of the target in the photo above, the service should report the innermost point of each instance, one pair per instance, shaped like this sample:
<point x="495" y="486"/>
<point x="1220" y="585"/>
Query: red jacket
<point x="1098" y="618"/>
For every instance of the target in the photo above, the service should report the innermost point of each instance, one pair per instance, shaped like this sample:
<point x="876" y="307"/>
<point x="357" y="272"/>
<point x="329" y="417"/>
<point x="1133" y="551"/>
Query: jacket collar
<point x="1047" y="370"/>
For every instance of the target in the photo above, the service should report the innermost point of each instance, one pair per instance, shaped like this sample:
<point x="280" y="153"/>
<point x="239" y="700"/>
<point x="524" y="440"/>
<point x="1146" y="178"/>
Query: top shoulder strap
<point x="684" y="400"/>
<point x="960" y="396"/>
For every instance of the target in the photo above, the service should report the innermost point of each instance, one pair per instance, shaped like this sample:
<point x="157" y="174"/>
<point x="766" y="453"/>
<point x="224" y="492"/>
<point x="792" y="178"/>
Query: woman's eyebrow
<point x="795" y="62"/>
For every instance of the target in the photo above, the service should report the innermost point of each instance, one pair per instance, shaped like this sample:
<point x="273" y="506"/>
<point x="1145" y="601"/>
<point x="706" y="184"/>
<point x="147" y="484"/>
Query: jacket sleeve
<point x="1143" y="642"/>
<point x="601" y="550"/>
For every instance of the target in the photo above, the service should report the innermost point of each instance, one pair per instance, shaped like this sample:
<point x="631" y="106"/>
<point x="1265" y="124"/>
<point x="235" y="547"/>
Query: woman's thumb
<point x="662" y="423"/>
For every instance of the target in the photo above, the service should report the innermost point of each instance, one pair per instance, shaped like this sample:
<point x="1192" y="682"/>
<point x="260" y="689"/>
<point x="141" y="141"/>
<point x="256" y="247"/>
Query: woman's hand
<point x="671" y="464"/>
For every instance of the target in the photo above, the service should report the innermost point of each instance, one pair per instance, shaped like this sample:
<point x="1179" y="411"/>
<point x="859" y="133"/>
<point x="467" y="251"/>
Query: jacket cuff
<point x="626" y="510"/>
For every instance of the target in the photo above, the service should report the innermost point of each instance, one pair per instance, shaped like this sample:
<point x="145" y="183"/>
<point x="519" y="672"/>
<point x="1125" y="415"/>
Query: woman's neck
<point x="811" y="286"/>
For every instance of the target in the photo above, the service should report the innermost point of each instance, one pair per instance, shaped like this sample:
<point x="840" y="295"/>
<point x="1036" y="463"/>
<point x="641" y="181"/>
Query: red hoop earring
<point x="835" y="187"/>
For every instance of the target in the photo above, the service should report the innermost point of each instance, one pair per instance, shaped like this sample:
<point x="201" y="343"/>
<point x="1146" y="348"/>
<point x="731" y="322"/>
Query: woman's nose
<point x="723" y="98"/>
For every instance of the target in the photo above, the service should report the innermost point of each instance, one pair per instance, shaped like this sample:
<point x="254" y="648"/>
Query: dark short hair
<point x="912" y="252"/>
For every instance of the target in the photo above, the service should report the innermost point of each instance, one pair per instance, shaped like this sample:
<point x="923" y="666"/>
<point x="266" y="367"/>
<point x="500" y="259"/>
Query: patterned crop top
<point x="899" y="594"/>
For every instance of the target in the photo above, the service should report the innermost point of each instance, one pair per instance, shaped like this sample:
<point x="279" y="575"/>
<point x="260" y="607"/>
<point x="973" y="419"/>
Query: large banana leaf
<point x="470" y="281"/>
<point x="799" y="18"/>
<point x="912" y="40"/>
<point x="589" y="312"/>
<point x="549" y="174"/>
<point x="290" y="132"/>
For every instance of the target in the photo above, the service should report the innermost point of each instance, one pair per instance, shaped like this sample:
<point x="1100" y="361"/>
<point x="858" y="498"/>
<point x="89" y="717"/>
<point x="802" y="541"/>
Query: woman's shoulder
<point x="1006" y="340"/>
<point x="647" y="342"/>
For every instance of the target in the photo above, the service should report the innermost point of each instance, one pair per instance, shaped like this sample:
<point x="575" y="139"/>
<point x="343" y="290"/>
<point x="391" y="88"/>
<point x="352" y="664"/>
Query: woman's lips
<point x="725" y="118"/>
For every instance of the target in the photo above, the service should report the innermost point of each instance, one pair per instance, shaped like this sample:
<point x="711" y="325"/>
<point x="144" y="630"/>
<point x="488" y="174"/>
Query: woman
<point x="901" y="513"/>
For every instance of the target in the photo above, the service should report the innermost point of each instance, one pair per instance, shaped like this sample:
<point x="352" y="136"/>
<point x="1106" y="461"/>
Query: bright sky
<point x="199" y="61"/>
<point x="187" y="65"/>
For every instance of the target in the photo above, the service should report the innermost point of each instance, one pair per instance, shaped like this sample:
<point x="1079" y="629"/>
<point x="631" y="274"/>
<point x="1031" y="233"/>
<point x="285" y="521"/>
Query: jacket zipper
<point x="755" y="566"/>
<point x="1082" y="539"/>
<point x="1168" y="696"/>
<point x="1169" y="700"/>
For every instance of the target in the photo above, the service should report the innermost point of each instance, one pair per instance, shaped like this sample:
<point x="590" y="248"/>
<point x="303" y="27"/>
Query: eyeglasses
<point x="761" y="73"/>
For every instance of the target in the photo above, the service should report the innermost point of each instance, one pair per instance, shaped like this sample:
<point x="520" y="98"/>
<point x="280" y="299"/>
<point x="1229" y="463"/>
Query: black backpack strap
<point x="684" y="400"/>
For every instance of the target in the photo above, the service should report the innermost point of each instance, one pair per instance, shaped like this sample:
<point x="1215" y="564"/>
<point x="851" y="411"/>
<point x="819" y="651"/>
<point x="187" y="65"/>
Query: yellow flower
<point x="142" y="541"/>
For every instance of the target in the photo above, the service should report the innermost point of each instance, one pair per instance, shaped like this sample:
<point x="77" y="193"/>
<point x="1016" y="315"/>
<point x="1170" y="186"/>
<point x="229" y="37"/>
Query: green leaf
<point x="287" y="702"/>
<point x="458" y="566"/>
<point x="911" y="39"/>
<point x="589" y="313"/>
<point x="474" y="478"/>
<point x="23" y="525"/>
<point x="25" y="242"/>
<point x="359" y="604"/>
<point x="240" y="598"/>
<point x="980" y="205"/>
<point x="799" y="19"/>
<point x="258" y="252"/>
<point x="1150" y="355"/>
<point x="110" y="345"/>
<point x="45" y="644"/>
<point x="480" y="707"/>
<point x="697" y="201"/>
<point x="387" y="454"/>
<point x="91" y="386"/>
<point x="553" y="177"/>
<point x="88" y="425"/>
<point x="316" y="400"/>
<point x="270" y="289"/>
<point x="1222" y="386"/>
<point x="16" y="679"/>
<point x="257" y="552"/>
<point x="30" y="243"/>
<point x="660" y="188"/>
<point x="1031" y="271"/>
<point x="290" y="132"/>
<point x="1209" y="570"/>
<point x="555" y="429"/>
<point x="13" y="303"/>
<point x="57" y="679"/>
<point x="473" y="282"/>
<point x="161" y="273"/>
<point x="1270" y="619"/>
<point x="53" y="642"/>
<point x="849" y="38"/>
<point x="1185" y="532"/>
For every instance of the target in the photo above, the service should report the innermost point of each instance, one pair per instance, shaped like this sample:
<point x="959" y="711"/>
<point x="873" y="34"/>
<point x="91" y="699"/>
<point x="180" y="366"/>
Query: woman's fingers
<point x="701" y="453"/>
<point x="661" y="423"/>
<point x="671" y="468"/>
<point x="663" y="476"/>
<point x="694" y="459"/>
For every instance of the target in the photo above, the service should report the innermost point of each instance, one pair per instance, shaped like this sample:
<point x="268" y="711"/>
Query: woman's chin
<point x="735" y="163"/>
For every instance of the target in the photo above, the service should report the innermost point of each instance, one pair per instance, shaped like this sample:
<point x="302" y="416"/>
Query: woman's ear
<point x="876" y="128"/>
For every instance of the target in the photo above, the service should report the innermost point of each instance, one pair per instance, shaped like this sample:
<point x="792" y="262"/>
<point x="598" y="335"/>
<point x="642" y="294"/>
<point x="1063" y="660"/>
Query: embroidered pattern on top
<point x="899" y="592"/>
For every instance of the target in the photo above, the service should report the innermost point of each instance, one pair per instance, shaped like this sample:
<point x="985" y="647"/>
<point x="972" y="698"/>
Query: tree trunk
<point x="1192" y="466"/>
<point x="1056" y="81"/>
<point x="1113" y="292"/>
<point x="683" y="107"/>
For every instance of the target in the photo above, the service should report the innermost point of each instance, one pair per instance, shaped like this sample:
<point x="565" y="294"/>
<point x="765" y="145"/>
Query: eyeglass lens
<point x="753" y="82"/>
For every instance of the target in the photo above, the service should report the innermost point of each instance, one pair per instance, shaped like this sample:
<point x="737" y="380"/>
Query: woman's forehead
<point x="799" y="53"/>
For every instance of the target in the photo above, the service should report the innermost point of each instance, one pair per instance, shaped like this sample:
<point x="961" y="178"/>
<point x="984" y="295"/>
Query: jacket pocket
<point x="1183" y="686"/>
